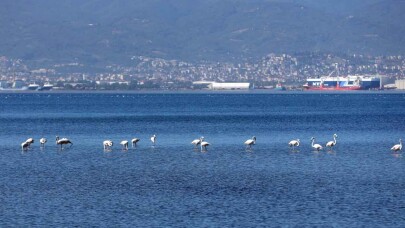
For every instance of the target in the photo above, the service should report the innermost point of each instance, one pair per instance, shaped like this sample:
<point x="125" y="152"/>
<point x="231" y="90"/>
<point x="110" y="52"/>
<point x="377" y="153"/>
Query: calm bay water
<point x="360" y="183"/>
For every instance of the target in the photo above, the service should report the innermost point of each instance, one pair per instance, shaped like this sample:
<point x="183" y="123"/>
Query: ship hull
<point x="14" y="89"/>
<point x="334" y="88"/>
<point x="45" y="88"/>
<point x="33" y="87"/>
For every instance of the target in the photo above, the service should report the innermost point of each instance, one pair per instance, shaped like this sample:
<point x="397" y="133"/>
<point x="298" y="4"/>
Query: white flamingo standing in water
<point x="25" y="145"/>
<point x="153" y="139"/>
<point x="331" y="144"/>
<point x="124" y="144"/>
<point x="107" y="144"/>
<point x="197" y="142"/>
<point x="294" y="143"/>
<point x="204" y="144"/>
<point x="250" y="142"/>
<point x="134" y="141"/>
<point x="43" y="141"/>
<point x="397" y="146"/>
<point x="63" y="141"/>
<point x="315" y="146"/>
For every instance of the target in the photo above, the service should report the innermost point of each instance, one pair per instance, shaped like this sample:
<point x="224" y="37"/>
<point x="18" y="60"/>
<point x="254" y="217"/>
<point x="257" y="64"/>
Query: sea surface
<point x="360" y="183"/>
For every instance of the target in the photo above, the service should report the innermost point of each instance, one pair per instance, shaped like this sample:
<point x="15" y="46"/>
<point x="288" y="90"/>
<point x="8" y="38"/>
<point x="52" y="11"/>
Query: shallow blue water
<point x="360" y="183"/>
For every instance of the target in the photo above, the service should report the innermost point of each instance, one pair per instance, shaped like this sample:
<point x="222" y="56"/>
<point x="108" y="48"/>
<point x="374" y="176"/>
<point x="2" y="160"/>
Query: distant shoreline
<point x="255" y="91"/>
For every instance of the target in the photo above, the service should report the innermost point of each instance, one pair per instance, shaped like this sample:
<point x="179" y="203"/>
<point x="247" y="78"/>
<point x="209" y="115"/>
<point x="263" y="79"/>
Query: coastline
<point x="255" y="91"/>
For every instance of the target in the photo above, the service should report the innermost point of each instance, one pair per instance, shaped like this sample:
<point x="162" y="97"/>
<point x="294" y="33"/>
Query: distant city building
<point x="18" y="84"/>
<point x="400" y="84"/>
<point x="3" y="84"/>
<point x="229" y="86"/>
<point x="224" y="85"/>
<point x="147" y="72"/>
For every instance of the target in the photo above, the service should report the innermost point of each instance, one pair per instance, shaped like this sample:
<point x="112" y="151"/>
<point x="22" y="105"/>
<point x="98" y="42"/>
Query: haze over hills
<point x="100" y="32"/>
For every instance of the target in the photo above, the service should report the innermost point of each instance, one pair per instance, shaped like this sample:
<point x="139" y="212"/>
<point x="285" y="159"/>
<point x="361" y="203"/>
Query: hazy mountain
<point x="111" y="31"/>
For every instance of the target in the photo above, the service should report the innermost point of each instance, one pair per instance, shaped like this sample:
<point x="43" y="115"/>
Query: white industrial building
<point x="229" y="85"/>
<point x="400" y="84"/>
<point x="224" y="85"/>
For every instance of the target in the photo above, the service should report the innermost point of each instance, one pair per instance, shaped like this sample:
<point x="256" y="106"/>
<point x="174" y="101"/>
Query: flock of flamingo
<point x="197" y="142"/>
<point x="25" y="145"/>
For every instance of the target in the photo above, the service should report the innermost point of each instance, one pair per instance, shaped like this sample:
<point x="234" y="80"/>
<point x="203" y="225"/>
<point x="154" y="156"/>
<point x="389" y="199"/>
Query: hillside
<point x="99" y="32"/>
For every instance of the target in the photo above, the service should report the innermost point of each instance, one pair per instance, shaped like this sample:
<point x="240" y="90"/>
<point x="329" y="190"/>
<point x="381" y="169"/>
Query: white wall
<point x="400" y="84"/>
<point x="219" y="86"/>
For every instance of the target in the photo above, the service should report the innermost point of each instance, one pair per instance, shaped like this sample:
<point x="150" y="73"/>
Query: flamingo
<point x="107" y="144"/>
<point x="315" y="146"/>
<point x="204" y="144"/>
<point x="124" y="144"/>
<point x="29" y="141"/>
<point x="294" y="143"/>
<point x="153" y="139"/>
<point x="63" y="141"/>
<point x="43" y="141"/>
<point x="250" y="142"/>
<point x="134" y="141"/>
<point x="331" y="144"/>
<point x="197" y="142"/>
<point x="25" y="145"/>
<point x="397" y="147"/>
